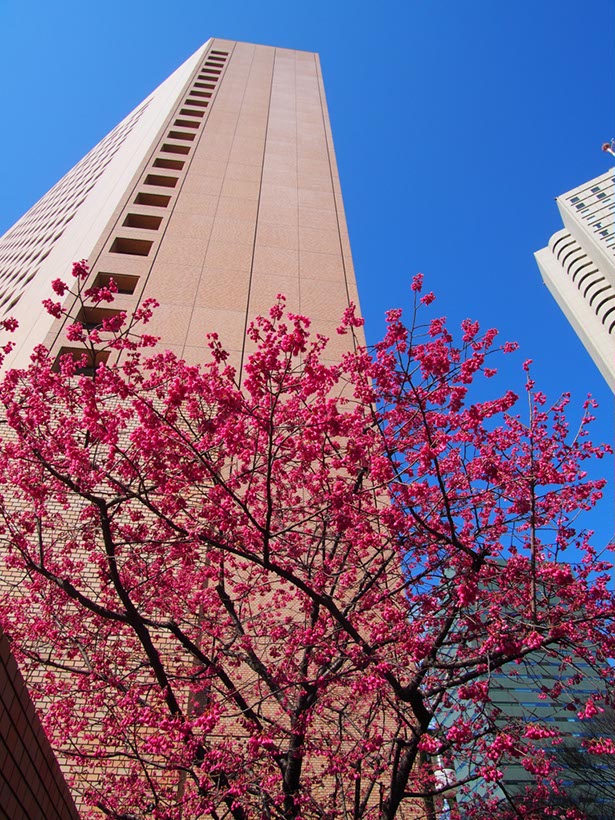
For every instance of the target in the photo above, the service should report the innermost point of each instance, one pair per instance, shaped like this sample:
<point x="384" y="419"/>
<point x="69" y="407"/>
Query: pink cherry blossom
<point x="295" y="594"/>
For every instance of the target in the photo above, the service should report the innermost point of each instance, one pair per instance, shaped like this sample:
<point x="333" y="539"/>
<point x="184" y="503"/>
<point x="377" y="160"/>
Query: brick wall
<point x="31" y="783"/>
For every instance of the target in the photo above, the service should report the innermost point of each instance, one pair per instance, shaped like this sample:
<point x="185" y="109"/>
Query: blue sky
<point x="455" y="126"/>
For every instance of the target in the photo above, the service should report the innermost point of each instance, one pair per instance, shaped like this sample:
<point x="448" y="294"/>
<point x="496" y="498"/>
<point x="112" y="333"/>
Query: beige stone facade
<point x="219" y="192"/>
<point x="231" y="200"/>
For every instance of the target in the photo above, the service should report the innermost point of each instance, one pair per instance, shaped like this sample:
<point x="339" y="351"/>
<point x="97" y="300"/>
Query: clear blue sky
<point x="455" y="126"/>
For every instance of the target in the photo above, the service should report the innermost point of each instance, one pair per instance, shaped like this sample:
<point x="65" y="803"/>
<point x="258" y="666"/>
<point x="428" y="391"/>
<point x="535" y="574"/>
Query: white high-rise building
<point x="578" y="267"/>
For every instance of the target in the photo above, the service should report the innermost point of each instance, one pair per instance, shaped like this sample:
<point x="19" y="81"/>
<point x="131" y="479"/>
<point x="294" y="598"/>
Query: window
<point x="145" y="221"/>
<point x="159" y="179"/>
<point x="124" y="282"/>
<point x="90" y="363"/>
<point x="133" y="247"/>
<point x="169" y="148"/>
<point x="153" y="200"/>
<point x="187" y="123"/>
<point x="181" y="135"/>
<point x="172" y="164"/>
<point x="93" y="317"/>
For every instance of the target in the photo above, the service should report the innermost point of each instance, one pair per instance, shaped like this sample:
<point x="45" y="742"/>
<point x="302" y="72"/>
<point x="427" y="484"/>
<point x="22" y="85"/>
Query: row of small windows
<point x="182" y="135"/>
<point x="583" y="205"/>
<point x="595" y="206"/>
<point x="20" y="252"/>
<point x="184" y="130"/>
<point x="600" y="218"/>
<point x="604" y="186"/>
<point x="600" y="194"/>
<point x="30" y="242"/>
<point x="55" y="201"/>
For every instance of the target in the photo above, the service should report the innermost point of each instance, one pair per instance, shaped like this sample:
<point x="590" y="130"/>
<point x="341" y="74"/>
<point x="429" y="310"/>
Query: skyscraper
<point x="215" y="194"/>
<point x="578" y="267"/>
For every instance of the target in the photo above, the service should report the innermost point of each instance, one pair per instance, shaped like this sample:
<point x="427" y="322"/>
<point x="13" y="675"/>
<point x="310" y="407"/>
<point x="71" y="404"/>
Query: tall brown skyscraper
<point x="214" y="195"/>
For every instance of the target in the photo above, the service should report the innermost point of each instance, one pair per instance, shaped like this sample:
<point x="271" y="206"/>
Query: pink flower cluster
<point x="295" y="591"/>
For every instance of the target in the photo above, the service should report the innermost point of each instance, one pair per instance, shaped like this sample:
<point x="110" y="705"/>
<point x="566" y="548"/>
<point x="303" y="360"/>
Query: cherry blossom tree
<point x="294" y="597"/>
<point x="592" y="775"/>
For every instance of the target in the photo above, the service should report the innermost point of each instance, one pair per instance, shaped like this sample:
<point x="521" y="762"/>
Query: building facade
<point x="217" y="193"/>
<point x="578" y="267"/>
<point x="214" y="195"/>
<point x="31" y="783"/>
